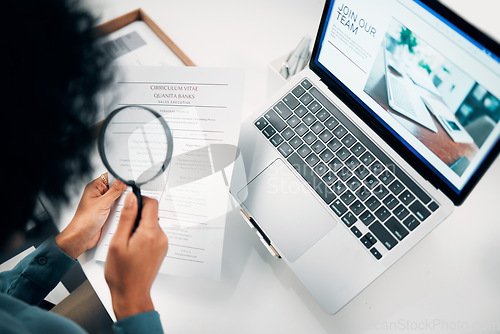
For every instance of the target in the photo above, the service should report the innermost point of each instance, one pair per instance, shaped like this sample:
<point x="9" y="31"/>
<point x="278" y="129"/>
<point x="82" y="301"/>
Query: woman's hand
<point x="84" y="230"/>
<point x="134" y="258"/>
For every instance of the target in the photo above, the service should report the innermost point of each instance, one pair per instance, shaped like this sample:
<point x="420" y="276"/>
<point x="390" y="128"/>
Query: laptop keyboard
<point x="374" y="198"/>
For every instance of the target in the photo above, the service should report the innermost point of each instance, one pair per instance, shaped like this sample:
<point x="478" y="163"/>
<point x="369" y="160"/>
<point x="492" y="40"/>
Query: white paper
<point x="202" y="107"/>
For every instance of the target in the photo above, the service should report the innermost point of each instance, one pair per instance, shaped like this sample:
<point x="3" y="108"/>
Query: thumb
<point x="115" y="191"/>
<point x="127" y="219"/>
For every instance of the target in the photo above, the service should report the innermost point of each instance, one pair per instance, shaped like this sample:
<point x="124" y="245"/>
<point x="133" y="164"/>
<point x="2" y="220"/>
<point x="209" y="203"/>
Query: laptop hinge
<point x="262" y="236"/>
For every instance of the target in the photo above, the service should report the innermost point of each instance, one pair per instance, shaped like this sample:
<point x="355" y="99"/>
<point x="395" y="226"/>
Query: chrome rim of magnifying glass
<point x="101" y="140"/>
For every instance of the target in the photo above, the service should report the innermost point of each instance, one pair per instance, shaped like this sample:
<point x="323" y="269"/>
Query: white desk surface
<point x="450" y="282"/>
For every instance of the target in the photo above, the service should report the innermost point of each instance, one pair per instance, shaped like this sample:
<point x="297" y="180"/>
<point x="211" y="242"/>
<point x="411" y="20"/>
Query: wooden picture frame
<point x="139" y="15"/>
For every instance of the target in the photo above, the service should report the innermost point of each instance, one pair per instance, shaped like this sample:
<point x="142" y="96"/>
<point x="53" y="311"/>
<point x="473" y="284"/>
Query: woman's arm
<point x="39" y="272"/>
<point x="133" y="261"/>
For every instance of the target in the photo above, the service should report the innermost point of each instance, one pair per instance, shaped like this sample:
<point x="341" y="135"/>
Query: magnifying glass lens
<point x="135" y="145"/>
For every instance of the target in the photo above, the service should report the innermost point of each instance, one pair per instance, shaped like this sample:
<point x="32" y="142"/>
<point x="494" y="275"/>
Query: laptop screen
<point x="436" y="89"/>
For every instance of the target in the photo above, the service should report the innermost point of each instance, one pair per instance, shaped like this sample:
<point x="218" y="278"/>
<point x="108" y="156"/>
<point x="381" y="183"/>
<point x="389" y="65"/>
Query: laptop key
<point x="269" y="131"/>
<point x="356" y="232"/>
<point x="344" y="174"/>
<point x="276" y="140"/>
<point x="376" y="253"/>
<point x="401" y="212"/>
<point x="299" y="165"/>
<point x="293" y="121"/>
<point x="353" y="183"/>
<point x="352" y="162"/>
<point x="377" y="168"/>
<point x="371" y="181"/>
<point x="287" y="133"/>
<point x="348" y="140"/>
<point x="340" y="131"/>
<point x="295" y="142"/>
<point x="357" y="207"/>
<point x="358" y="149"/>
<point x="367" y="158"/>
<point x="318" y="147"/>
<point x="312" y="160"/>
<point x="411" y="222"/>
<point x="339" y="188"/>
<point x="338" y="207"/>
<point x="282" y="110"/>
<point x="314" y="107"/>
<point x="324" y="192"/>
<point x="285" y="149"/>
<point x="391" y="202"/>
<point x="406" y="197"/>
<point x="363" y="193"/>
<point x="334" y="145"/>
<point x="383" y="235"/>
<point x="326" y="156"/>
<point x="386" y="177"/>
<point x="310" y="138"/>
<point x="372" y="203"/>
<point x="331" y="123"/>
<point x="322" y="115"/>
<point x="275" y="120"/>
<point x="306" y="99"/>
<point x="329" y="178"/>
<point x="291" y="101"/>
<point x="304" y="151"/>
<point x="306" y="84"/>
<point x="325" y="136"/>
<point x="371" y="238"/>
<point x="396" y="187"/>
<point x="298" y="91"/>
<point x="366" y="242"/>
<point x="261" y="123"/>
<point x="367" y="217"/>
<point x="343" y="153"/>
<point x="362" y="171"/>
<point x="320" y="169"/>
<point x="433" y="206"/>
<point x="317" y="127"/>
<point x="335" y="165"/>
<point x="419" y="210"/>
<point x="382" y="213"/>
<point x="396" y="228"/>
<point x="380" y="191"/>
<point x="309" y="119"/>
<point x="349" y="219"/>
<point x="301" y="111"/>
<point x="347" y="198"/>
<point x="301" y="129"/>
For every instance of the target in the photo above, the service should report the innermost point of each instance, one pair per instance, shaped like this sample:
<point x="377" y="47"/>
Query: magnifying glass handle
<point x="137" y="192"/>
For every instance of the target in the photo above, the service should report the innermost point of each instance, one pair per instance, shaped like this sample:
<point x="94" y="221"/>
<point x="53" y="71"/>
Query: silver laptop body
<point x="328" y="210"/>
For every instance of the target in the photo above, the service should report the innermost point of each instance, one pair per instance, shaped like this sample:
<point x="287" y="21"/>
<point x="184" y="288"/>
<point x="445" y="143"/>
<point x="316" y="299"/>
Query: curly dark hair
<point x="53" y="72"/>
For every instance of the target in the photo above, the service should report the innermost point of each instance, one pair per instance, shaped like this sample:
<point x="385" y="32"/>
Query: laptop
<point x="338" y="185"/>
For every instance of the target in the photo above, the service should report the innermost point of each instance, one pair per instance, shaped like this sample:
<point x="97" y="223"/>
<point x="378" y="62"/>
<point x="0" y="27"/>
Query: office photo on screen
<point x="432" y="98"/>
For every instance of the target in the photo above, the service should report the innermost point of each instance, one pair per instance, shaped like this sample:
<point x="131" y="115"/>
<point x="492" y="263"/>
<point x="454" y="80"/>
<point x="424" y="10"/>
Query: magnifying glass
<point x="135" y="145"/>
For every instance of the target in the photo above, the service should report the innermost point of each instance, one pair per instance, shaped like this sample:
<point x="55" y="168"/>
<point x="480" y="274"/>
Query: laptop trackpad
<point x="286" y="210"/>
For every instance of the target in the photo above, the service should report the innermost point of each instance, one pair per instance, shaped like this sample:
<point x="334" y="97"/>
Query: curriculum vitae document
<point x="202" y="107"/>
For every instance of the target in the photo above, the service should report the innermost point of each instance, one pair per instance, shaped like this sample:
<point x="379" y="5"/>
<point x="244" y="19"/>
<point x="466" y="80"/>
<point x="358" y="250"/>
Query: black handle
<point x="137" y="192"/>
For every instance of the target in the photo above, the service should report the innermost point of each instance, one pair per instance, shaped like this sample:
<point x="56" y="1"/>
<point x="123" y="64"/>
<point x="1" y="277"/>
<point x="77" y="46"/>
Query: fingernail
<point x="129" y="200"/>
